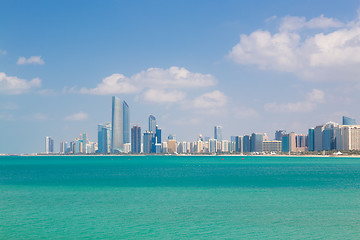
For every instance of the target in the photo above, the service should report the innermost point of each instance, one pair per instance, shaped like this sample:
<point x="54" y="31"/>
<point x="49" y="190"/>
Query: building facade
<point x="49" y="144"/>
<point x="120" y="125"/>
<point x="104" y="138"/>
<point x="218" y="133"/>
<point x="136" y="139"/>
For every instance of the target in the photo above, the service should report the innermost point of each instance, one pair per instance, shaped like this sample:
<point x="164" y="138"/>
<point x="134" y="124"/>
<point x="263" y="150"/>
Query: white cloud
<point x="13" y="85"/>
<point x="293" y="23"/>
<point x="323" y="22"/>
<point x="114" y="84"/>
<point x="77" y="116"/>
<point x="2" y="52"/>
<point x="215" y="99"/>
<point x="163" y="96"/>
<point x="312" y="100"/>
<point x="331" y="51"/>
<point x="155" y="85"/>
<point x="152" y="78"/>
<point x="272" y="18"/>
<point x="173" y="77"/>
<point x="30" y="60"/>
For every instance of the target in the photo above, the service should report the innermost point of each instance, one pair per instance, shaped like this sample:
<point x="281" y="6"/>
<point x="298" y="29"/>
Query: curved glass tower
<point x="120" y="125"/>
<point x="152" y="124"/>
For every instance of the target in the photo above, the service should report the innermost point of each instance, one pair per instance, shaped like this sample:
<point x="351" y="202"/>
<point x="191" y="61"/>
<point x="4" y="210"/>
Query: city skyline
<point x="326" y="137"/>
<point x="286" y="65"/>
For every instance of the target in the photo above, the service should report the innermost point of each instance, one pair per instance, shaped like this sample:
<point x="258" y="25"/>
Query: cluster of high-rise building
<point x="80" y="145"/>
<point x="118" y="137"/>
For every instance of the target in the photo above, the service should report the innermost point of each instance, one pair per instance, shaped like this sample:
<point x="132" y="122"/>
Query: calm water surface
<point x="164" y="197"/>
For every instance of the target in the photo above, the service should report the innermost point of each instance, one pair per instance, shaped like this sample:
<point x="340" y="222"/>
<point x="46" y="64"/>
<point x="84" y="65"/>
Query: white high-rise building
<point x="49" y="144"/>
<point x="225" y="146"/>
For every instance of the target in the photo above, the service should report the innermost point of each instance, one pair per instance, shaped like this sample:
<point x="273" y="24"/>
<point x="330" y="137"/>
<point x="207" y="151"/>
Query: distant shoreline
<point x="180" y="155"/>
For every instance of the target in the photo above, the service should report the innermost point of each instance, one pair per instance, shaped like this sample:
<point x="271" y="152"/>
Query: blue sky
<point x="250" y="66"/>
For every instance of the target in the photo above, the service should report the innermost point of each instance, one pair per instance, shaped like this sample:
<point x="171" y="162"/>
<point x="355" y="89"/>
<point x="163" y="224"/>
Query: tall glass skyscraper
<point x="349" y="121"/>
<point x="104" y="138"/>
<point x="136" y="139"/>
<point x="311" y="140"/>
<point x="147" y="140"/>
<point x="126" y="122"/>
<point x="329" y="136"/>
<point x="218" y="133"/>
<point x="246" y="143"/>
<point x="158" y="134"/>
<point x="279" y="134"/>
<point x="239" y="144"/>
<point x="318" y="138"/>
<point x="120" y="125"/>
<point x="256" y="142"/>
<point x="152" y="124"/>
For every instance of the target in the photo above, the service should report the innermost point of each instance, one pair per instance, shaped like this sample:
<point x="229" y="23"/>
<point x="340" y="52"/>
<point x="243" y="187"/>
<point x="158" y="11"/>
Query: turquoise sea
<point x="179" y="197"/>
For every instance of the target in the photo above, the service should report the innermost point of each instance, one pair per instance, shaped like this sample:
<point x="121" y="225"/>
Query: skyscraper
<point x="171" y="144"/>
<point x="311" y="139"/>
<point x="172" y="137"/>
<point x="349" y="121"/>
<point x="279" y="134"/>
<point x="246" y="143"/>
<point x="63" y="147"/>
<point x="147" y="142"/>
<point x="136" y="139"/>
<point x="289" y="142"/>
<point x="218" y="133"/>
<point x="152" y="124"/>
<point x="104" y="138"/>
<point x="158" y="134"/>
<point x="212" y="145"/>
<point x="120" y="125"/>
<point x="156" y="140"/>
<point x="318" y="138"/>
<point x="329" y="136"/>
<point x="126" y="122"/>
<point x="49" y="145"/>
<point x="239" y="144"/>
<point x="256" y="142"/>
<point x="85" y="141"/>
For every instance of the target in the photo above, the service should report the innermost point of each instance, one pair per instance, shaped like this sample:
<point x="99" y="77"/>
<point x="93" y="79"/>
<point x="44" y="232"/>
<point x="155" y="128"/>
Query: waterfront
<point x="165" y="197"/>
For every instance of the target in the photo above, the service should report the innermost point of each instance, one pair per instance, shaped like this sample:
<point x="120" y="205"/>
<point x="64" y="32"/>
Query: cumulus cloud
<point x="30" y="60"/>
<point x="215" y="99"/>
<point x="13" y="85"/>
<point x="152" y="78"/>
<point x="114" y="84"/>
<point x="2" y="52"/>
<point x="77" y="116"/>
<point x="330" y="51"/>
<point x="312" y="100"/>
<point x="155" y="85"/>
<point x="162" y="96"/>
<point x="293" y="23"/>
